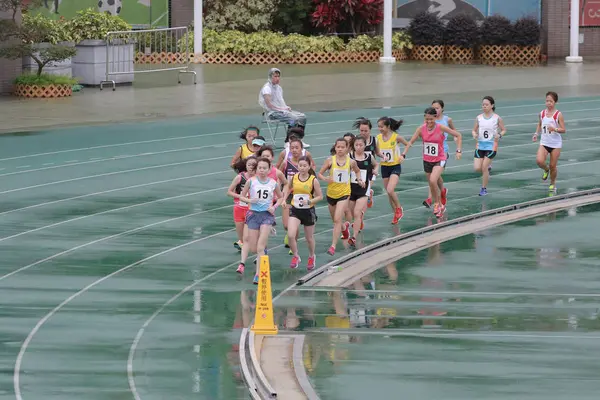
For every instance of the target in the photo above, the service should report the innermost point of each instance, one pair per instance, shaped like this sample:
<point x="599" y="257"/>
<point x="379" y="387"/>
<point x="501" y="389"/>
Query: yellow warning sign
<point x="263" y="319"/>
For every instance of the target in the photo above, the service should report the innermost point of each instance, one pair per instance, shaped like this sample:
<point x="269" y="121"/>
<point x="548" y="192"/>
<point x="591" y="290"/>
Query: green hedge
<point x="286" y="46"/>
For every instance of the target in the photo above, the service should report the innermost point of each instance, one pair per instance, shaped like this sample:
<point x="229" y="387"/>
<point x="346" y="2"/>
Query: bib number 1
<point x="363" y="176"/>
<point x="340" y="176"/>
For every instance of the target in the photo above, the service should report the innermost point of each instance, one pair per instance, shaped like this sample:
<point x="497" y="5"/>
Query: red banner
<point x="590" y="13"/>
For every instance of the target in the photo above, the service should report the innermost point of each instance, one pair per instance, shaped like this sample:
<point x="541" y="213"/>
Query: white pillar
<point x="197" y="26"/>
<point x="574" y="37"/>
<point x="387" y="33"/>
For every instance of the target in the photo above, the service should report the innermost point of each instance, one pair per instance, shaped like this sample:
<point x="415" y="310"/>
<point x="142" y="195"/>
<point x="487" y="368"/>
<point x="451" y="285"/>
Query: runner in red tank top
<point x="434" y="156"/>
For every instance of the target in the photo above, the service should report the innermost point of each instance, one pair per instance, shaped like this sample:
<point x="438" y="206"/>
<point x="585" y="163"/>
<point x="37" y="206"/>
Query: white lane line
<point x="22" y="166"/>
<point x="454" y="112"/>
<point x="224" y="145"/>
<point x="188" y="162"/>
<point x="225" y="187"/>
<point x="48" y="163"/>
<point x="141" y="331"/>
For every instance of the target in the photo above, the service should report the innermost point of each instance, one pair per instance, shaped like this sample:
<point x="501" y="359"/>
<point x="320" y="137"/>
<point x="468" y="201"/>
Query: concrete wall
<point x="9" y="69"/>
<point x="555" y="22"/>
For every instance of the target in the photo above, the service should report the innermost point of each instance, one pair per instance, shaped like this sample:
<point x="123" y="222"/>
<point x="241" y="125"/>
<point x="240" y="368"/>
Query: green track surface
<point x="116" y="244"/>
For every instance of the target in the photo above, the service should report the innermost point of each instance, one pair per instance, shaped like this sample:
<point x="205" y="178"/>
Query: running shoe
<point x="490" y="168"/>
<point x="427" y="202"/>
<point x="238" y="245"/>
<point x="273" y="231"/>
<point x="483" y="192"/>
<point x="436" y="208"/>
<point x="290" y="252"/>
<point x="346" y="230"/>
<point x="295" y="262"/>
<point x="286" y="241"/>
<point x="352" y="242"/>
<point x="311" y="263"/>
<point x="545" y="175"/>
<point x="552" y="188"/>
<point x="444" y="196"/>
<point x="305" y="145"/>
<point x="255" y="280"/>
<point x="370" y="199"/>
<point x="331" y="251"/>
<point x="441" y="211"/>
<point x="398" y="215"/>
<point x="240" y="268"/>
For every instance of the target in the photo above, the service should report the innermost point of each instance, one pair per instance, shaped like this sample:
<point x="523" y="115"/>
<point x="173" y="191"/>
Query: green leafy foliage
<point x="294" y="16"/>
<point x="93" y="25"/>
<point x="13" y="6"/>
<point x="526" y="32"/>
<point x="30" y="34"/>
<point x="245" y="16"/>
<point x="496" y="30"/>
<point x="426" y="29"/>
<point x="44" y="80"/>
<point x="287" y="46"/>
<point x="462" y="31"/>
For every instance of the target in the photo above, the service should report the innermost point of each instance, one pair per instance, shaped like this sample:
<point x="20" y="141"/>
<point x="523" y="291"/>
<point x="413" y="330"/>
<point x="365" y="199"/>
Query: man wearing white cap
<point x="271" y="100"/>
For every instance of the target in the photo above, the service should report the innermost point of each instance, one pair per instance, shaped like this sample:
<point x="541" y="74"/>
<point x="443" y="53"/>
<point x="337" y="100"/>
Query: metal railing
<point x="151" y="50"/>
<point x="432" y="228"/>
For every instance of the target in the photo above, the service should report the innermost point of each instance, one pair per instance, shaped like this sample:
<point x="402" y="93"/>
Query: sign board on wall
<point x="590" y="13"/>
<point x="405" y="10"/>
<point x="138" y="13"/>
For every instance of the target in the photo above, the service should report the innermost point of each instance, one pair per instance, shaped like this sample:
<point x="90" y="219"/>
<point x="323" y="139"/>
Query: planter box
<point x="53" y="68"/>
<point x="459" y="55"/>
<point x="527" y="56"/>
<point x="45" y="92"/>
<point x="496" y="55"/>
<point x="89" y="64"/>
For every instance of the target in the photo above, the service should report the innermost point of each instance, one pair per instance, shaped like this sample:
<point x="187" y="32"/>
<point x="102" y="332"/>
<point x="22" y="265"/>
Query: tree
<point x="33" y="31"/>
<point x="15" y="5"/>
<point x="357" y="15"/>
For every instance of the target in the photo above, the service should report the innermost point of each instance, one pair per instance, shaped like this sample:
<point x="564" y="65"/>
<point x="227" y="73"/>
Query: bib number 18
<point x="430" y="149"/>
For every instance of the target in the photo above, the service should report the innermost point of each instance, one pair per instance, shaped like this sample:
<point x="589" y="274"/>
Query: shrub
<point x="462" y="31"/>
<point x="44" y="80"/>
<point x="526" y="32"/>
<point x="356" y="15"/>
<point x="93" y="25"/>
<point x="400" y="41"/>
<point x="245" y="16"/>
<point x="496" y="30"/>
<point x="426" y="29"/>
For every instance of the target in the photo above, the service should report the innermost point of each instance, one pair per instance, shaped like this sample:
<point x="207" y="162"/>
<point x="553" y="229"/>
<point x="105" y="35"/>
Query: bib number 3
<point x="430" y="149"/>
<point x="301" y="201"/>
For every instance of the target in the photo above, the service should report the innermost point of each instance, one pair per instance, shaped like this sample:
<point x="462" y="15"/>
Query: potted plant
<point x="461" y="38"/>
<point x="88" y="30"/>
<point x="427" y="34"/>
<point x="495" y="37"/>
<point x="44" y="33"/>
<point x="44" y="85"/>
<point x="526" y="41"/>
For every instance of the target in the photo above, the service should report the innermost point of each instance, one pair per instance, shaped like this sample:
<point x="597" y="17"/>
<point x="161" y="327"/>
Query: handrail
<point x="248" y="378"/>
<point x="417" y="232"/>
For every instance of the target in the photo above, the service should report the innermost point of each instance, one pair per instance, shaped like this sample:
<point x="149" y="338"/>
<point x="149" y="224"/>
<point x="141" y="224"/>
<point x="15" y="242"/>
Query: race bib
<point x="545" y="130"/>
<point x="485" y="135"/>
<point x="430" y="149"/>
<point x="242" y="204"/>
<point x="301" y="201"/>
<point x="341" y="176"/>
<point x="388" y="155"/>
<point x="363" y="176"/>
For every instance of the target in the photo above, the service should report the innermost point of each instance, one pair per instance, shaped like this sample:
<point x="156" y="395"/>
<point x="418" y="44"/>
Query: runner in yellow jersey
<point x="305" y="191"/>
<point x="389" y="150"/>
<point x="253" y="142"/>
<point x="338" y="186"/>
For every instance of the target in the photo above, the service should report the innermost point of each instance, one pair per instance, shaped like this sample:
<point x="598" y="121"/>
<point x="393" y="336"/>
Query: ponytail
<point x="391" y="123"/>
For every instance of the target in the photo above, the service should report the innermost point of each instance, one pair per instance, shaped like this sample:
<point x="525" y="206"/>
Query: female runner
<point x="358" y="194"/>
<point x="391" y="168"/>
<point x="364" y="127"/>
<point x="488" y="130"/>
<point x="445" y="120"/>
<point x="432" y="135"/>
<point x="290" y="168"/>
<point x="286" y="153"/>
<point x="275" y="174"/>
<point x="259" y="192"/>
<point x="552" y="126"/>
<point x="247" y="169"/>
<point x="305" y="191"/>
<point x="338" y="187"/>
<point x="249" y="148"/>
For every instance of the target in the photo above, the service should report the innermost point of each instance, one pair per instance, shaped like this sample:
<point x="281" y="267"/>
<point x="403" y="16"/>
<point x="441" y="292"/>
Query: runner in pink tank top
<point x="434" y="157"/>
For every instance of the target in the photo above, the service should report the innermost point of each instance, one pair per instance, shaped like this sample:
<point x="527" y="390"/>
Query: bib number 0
<point x="430" y="149"/>
<point x="363" y="176"/>
<point x="341" y="176"/>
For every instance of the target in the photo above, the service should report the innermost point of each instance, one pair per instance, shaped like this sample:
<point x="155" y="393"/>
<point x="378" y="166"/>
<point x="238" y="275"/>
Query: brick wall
<point x="9" y="69"/>
<point x="182" y="12"/>
<point x="556" y="22"/>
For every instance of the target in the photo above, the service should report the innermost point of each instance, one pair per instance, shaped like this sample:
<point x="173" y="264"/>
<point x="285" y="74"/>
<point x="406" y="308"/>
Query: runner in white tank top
<point x="551" y="124"/>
